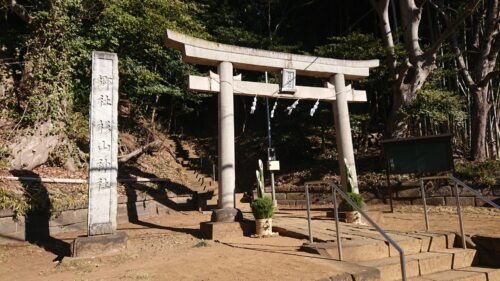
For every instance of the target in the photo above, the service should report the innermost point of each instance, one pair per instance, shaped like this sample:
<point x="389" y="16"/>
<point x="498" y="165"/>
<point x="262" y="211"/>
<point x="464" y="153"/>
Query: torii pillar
<point x="343" y="133"/>
<point x="226" y="211"/>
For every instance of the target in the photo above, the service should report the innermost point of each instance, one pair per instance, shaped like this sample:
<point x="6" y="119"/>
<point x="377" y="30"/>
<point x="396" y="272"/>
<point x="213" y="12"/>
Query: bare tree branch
<point x="452" y="27"/>
<point x="139" y="151"/>
<point x="382" y="9"/>
<point x="487" y="45"/>
<point x="456" y="48"/>
<point x="410" y="16"/>
<point x="487" y="78"/>
<point x="495" y="49"/>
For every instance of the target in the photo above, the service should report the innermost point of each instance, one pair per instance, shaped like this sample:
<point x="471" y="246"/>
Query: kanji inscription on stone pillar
<point x="103" y="166"/>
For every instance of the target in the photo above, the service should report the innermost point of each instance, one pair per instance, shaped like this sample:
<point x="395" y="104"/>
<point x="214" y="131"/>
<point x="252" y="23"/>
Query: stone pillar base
<point x="99" y="245"/>
<point x="224" y="230"/>
<point x="226" y="215"/>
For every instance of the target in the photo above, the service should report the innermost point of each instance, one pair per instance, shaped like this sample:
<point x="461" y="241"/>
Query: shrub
<point x="262" y="207"/>
<point x="356" y="198"/>
<point x="481" y="173"/>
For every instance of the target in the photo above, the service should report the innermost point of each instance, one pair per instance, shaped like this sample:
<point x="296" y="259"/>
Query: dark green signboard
<point x="429" y="154"/>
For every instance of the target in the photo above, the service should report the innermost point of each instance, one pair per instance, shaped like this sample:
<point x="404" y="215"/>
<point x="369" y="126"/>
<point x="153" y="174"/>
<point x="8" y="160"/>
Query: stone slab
<point x="453" y="275"/>
<point x="390" y="268"/>
<point x="461" y="257"/>
<point x="434" y="262"/>
<point x="223" y="230"/>
<point x="410" y="192"/>
<point x="492" y="274"/>
<point x="6" y="213"/>
<point x="433" y="201"/>
<point x="81" y="226"/>
<point x="13" y="238"/>
<point x="409" y="246"/>
<point x="8" y="225"/>
<point x="69" y="217"/>
<point x="438" y="242"/>
<point x="280" y="196"/>
<point x="353" y="250"/>
<point x="425" y="240"/>
<point x="481" y="203"/>
<point x="339" y="277"/>
<point x="99" y="245"/>
<point x="286" y="203"/>
<point x="439" y="191"/>
<point x="296" y="196"/>
<point x="464" y="201"/>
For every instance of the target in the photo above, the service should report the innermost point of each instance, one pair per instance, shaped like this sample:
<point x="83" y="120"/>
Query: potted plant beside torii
<point x="262" y="207"/>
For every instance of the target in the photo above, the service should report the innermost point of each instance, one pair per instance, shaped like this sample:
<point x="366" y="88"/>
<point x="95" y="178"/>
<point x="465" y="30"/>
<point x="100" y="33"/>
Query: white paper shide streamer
<point x="292" y="107"/>
<point x="274" y="108"/>
<point x="313" y="109"/>
<point x="254" y="105"/>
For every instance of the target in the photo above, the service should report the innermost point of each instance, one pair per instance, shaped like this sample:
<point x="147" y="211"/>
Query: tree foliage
<point x="45" y="52"/>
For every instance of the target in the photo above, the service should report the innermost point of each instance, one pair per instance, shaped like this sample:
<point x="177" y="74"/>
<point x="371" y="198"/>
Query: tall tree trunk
<point x="480" y="109"/>
<point x="411" y="79"/>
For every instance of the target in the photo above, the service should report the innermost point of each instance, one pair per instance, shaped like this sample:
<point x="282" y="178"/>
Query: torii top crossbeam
<point x="199" y="51"/>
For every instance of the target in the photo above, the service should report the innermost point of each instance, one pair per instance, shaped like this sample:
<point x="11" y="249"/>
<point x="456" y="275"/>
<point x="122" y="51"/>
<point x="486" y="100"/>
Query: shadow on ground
<point x="37" y="218"/>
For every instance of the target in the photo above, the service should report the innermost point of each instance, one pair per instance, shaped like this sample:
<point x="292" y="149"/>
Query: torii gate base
<point x="222" y="230"/>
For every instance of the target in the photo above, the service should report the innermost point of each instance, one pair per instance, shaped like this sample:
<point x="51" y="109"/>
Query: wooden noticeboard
<point x="418" y="155"/>
<point x="430" y="154"/>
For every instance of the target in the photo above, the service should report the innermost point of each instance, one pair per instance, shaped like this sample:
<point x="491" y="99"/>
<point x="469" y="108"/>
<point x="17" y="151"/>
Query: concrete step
<point x="366" y="244"/>
<point x="422" y="263"/>
<point x="206" y="200"/>
<point x="463" y="274"/>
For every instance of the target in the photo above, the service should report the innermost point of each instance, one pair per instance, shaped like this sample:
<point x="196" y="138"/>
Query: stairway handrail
<point x="457" y="198"/>
<point x="336" y="189"/>
<point x="479" y="195"/>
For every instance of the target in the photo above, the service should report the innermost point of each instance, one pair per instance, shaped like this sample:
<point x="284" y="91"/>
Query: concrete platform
<point x="223" y="230"/>
<point x="99" y="245"/>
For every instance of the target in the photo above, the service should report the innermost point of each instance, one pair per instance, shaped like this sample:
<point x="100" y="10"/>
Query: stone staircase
<point x="429" y="255"/>
<point x="197" y="171"/>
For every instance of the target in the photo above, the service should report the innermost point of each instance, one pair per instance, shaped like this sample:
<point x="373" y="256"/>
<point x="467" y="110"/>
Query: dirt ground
<point x="169" y="248"/>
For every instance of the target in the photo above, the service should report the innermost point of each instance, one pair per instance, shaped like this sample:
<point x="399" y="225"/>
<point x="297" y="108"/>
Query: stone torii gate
<point x="227" y="57"/>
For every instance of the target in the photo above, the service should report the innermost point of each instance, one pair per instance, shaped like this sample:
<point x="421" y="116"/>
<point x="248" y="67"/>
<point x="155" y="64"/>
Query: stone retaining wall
<point x="408" y="193"/>
<point x="439" y="193"/>
<point x="295" y="197"/>
<point x="144" y="206"/>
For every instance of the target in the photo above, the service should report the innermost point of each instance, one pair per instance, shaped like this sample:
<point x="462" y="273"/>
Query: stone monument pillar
<point x="103" y="165"/>
<point x="343" y="129"/>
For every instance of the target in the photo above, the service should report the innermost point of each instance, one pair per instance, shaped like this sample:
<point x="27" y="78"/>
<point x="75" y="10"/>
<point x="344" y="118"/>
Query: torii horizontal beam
<point x="211" y="84"/>
<point x="199" y="51"/>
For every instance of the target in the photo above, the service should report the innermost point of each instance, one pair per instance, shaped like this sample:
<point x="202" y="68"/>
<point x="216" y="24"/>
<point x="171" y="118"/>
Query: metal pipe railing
<point x="479" y="195"/>
<point x="459" y="213"/>
<point x="309" y="214"/>
<point x="337" y="227"/>
<point x="336" y="189"/>
<point x="424" y="202"/>
<point x="456" y="183"/>
<point x="376" y="226"/>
